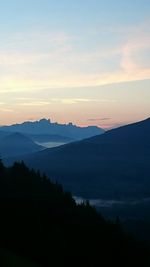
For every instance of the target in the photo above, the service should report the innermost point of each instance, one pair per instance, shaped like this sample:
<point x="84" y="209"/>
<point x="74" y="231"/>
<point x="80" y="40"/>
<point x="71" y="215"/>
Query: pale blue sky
<point x="78" y="61"/>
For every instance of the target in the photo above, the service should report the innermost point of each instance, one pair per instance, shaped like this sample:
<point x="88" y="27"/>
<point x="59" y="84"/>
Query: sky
<point x="80" y="61"/>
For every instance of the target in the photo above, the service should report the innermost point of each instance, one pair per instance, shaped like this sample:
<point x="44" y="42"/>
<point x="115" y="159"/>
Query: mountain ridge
<point x="14" y="144"/>
<point x="45" y="126"/>
<point x="115" y="164"/>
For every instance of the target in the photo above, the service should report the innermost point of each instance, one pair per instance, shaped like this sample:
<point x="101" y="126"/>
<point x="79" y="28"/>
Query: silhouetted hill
<point x="112" y="165"/>
<point x="41" y="223"/>
<point x="48" y="128"/>
<point x="17" y="144"/>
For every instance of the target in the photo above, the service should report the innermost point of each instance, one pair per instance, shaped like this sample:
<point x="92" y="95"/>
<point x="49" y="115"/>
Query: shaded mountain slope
<point x="112" y="165"/>
<point x="3" y="134"/>
<point x="43" y="138"/>
<point x="17" y="144"/>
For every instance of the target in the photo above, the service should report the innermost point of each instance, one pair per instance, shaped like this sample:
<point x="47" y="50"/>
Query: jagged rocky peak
<point x="44" y="121"/>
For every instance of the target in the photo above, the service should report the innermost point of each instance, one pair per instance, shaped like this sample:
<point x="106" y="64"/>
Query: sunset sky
<point x="85" y="61"/>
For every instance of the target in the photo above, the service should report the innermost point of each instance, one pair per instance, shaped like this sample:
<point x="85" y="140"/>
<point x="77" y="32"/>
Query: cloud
<point x="44" y="60"/>
<point x="73" y="100"/>
<point x="130" y="52"/>
<point x="6" y="110"/>
<point x="66" y="101"/>
<point x="135" y="47"/>
<point x="34" y="103"/>
<point x="82" y="100"/>
<point x="22" y="48"/>
<point x="99" y="119"/>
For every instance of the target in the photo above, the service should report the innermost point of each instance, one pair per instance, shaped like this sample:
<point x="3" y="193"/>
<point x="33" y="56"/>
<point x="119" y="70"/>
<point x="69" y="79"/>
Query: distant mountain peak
<point x="45" y="121"/>
<point x="45" y="126"/>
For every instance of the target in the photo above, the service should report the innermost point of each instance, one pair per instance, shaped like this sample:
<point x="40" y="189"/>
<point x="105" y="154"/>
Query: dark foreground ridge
<point x="42" y="224"/>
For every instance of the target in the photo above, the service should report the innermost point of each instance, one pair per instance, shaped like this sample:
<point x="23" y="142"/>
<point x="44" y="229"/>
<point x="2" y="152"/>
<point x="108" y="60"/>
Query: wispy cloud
<point x="34" y="103"/>
<point x="73" y="100"/>
<point x="99" y="119"/>
<point x="137" y="45"/>
<point x="81" y="100"/>
<point x="57" y="61"/>
<point x="6" y="110"/>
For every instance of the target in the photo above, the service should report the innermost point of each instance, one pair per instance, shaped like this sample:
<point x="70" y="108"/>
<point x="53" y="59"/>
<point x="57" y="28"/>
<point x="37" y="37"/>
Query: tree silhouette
<point x="41" y="222"/>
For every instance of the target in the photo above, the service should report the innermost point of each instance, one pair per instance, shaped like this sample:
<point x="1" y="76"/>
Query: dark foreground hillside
<point x="42" y="224"/>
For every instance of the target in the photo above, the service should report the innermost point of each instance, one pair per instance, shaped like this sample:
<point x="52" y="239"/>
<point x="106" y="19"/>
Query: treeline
<point x="42" y="223"/>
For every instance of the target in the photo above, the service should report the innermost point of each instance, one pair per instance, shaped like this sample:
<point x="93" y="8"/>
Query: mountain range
<point x="53" y="131"/>
<point x="112" y="165"/>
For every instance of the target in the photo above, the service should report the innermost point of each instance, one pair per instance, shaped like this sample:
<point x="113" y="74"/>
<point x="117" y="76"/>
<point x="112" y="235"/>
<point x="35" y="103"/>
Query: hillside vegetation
<point x="42" y="223"/>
